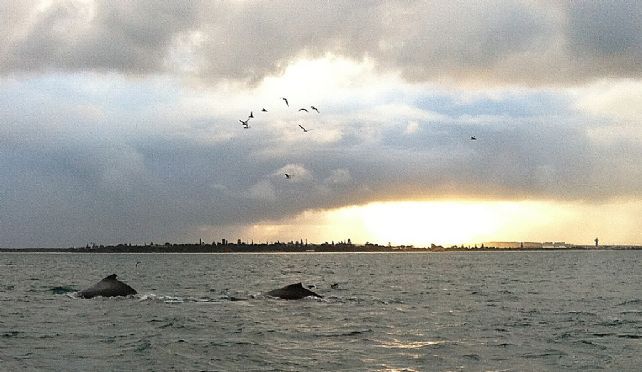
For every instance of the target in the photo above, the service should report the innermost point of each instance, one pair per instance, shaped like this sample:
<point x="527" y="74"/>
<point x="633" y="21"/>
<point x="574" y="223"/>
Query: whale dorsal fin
<point x="293" y="286"/>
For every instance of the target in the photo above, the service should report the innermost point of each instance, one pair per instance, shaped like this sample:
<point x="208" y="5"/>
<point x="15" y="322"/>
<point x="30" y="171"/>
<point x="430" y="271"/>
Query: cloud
<point x="618" y="100"/>
<point x="608" y="34"/>
<point x="505" y="42"/>
<point x="339" y="177"/>
<point x="101" y="138"/>
<point x="70" y="35"/>
<point x="263" y="190"/>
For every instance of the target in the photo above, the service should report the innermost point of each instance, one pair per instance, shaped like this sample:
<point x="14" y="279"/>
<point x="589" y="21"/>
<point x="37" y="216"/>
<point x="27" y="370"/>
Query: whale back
<point x="292" y="292"/>
<point x="108" y="287"/>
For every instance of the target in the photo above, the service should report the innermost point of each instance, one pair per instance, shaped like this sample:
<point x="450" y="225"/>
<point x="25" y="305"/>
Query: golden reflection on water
<point x="398" y="344"/>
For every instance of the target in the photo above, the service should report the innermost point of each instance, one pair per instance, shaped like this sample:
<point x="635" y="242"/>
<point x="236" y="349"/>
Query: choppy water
<point x="512" y="311"/>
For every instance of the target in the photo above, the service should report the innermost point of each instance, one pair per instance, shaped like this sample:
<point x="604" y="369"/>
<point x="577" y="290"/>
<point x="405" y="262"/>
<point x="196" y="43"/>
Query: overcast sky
<point x="119" y="120"/>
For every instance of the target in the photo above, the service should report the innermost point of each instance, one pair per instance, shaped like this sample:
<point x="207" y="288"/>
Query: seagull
<point x="251" y="115"/>
<point x="473" y="138"/>
<point x="315" y="109"/>
<point x="286" y="101"/>
<point x="245" y="123"/>
<point x="304" y="130"/>
<point x="303" y="109"/>
<point x="263" y="109"/>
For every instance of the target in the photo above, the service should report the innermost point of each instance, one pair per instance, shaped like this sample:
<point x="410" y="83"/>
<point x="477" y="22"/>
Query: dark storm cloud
<point x="498" y="41"/>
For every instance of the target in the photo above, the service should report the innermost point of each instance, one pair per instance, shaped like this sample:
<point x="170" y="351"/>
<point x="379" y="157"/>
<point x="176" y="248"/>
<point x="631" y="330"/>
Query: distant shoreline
<point x="301" y="248"/>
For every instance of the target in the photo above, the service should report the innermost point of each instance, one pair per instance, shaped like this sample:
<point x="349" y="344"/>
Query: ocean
<point x="483" y="311"/>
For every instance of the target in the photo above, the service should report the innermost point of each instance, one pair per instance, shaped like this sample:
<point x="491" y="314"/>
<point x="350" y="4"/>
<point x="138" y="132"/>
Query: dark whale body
<point x="292" y="292"/>
<point x="108" y="287"/>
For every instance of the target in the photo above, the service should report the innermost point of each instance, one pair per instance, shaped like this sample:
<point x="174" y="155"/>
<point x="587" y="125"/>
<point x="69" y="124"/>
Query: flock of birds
<point x="246" y="123"/>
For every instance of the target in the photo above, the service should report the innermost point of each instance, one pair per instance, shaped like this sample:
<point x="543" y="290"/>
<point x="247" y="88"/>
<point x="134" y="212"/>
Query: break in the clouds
<point x="120" y="120"/>
<point x="533" y="42"/>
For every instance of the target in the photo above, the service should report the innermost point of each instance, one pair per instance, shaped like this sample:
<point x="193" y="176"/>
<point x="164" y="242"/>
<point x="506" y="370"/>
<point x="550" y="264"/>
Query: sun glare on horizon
<point x="418" y="223"/>
<point x="422" y="223"/>
<point x="456" y="222"/>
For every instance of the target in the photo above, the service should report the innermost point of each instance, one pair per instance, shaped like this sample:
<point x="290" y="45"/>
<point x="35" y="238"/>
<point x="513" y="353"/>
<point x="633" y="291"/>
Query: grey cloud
<point x="607" y="31"/>
<point x="129" y="37"/>
<point x="498" y="41"/>
<point x="250" y="40"/>
<point x="138" y="189"/>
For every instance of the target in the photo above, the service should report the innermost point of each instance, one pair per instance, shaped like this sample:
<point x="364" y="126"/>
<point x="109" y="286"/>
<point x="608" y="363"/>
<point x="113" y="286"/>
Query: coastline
<point x="300" y="248"/>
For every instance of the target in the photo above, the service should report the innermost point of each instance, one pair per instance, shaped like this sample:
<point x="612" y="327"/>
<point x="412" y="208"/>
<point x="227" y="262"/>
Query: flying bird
<point x="473" y="138"/>
<point x="251" y="115"/>
<point x="264" y="110"/>
<point x="315" y="109"/>
<point x="288" y="176"/>
<point x="303" y="109"/>
<point x="304" y="130"/>
<point x="246" y="123"/>
<point x="286" y="101"/>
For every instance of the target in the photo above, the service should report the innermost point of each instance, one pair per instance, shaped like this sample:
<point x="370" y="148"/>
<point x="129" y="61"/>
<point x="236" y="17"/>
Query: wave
<point x="579" y="312"/>
<point x="398" y="344"/>
<point x="152" y="297"/>
<point x="74" y="295"/>
<point x="545" y="354"/>
<point x="603" y="334"/>
<point x="631" y="302"/>
<point x="618" y="335"/>
<point x="631" y="312"/>
<point x="475" y="357"/>
<point x="62" y="290"/>
<point x="591" y="343"/>
<point x="615" y="322"/>
<point x="632" y="336"/>
<point x="346" y="333"/>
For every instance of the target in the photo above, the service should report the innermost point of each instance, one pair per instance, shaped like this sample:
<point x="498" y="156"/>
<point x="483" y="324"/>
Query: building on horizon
<point x="525" y="245"/>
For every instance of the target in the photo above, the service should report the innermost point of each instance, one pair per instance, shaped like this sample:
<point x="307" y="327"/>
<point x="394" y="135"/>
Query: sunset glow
<point x="447" y="223"/>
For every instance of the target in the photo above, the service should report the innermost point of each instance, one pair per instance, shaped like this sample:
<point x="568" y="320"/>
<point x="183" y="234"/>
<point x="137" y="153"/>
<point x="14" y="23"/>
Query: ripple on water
<point x="11" y="334"/>
<point x="630" y="302"/>
<point x="593" y="344"/>
<point x="548" y="353"/>
<point x="344" y="333"/>
<point x="401" y="344"/>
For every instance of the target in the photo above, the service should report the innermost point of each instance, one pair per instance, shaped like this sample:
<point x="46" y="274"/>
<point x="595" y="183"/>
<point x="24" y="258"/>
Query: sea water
<point x="495" y="311"/>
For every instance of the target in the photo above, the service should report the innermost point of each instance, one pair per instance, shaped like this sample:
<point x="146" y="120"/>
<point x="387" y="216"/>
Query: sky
<point x="119" y="121"/>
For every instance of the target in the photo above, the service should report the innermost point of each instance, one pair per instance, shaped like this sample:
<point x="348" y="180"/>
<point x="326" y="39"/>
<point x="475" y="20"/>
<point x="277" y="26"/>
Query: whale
<point x="107" y="287"/>
<point x="292" y="292"/>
